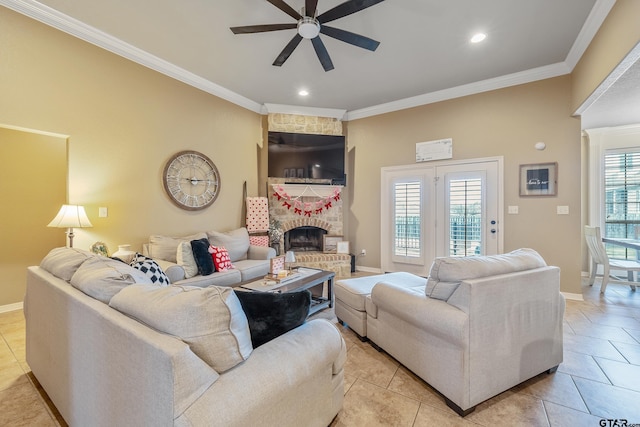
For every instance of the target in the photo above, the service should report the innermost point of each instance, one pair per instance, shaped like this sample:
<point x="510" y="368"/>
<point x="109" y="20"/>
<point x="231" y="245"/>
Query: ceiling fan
<point x="310" y="26"/>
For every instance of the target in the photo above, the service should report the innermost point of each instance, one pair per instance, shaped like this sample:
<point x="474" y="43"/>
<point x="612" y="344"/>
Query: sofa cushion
<point x="102" y="278"/>
<point x="184" y="258"/>
<point x="202" y="256"/>
<point x="150" y="268"/>
<point x="272" y="314"/>
<point x="447" y="273"/>
<point x="236" y="242"/>
<point x="220" y="257"/>
<point x="63" y="262"/>
<point x="219" y="278"/>
<point x="210" y="320"/>
<point x="252" y="268"/>
<point x="165" y="247"/>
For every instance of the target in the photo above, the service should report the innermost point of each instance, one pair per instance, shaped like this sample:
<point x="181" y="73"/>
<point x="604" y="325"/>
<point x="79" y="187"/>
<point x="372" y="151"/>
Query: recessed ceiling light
<point x="303" y="92"/>
<point x="477" y="38"/>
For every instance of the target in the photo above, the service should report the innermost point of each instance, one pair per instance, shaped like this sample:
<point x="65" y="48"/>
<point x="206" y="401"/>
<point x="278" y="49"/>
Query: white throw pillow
<point x="165" y="247"/>
<point x="210" y="320"/>
<point x="101" y="277"/>
<point x="185" y="259"/>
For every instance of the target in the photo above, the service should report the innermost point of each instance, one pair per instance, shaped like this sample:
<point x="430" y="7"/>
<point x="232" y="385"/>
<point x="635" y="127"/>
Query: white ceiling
<point x="424" y="53"/>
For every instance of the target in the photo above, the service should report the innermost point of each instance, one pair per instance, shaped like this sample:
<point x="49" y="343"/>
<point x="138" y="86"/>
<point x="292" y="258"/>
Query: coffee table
<point x="307" y="278"/>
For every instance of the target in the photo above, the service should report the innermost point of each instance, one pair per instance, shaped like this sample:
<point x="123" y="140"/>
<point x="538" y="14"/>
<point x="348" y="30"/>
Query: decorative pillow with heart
<point x="221" y="258"/>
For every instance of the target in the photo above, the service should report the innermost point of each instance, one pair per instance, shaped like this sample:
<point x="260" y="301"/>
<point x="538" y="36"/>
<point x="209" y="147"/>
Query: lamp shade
<point x="289" y="256"/>
<point x="71" y="216"/>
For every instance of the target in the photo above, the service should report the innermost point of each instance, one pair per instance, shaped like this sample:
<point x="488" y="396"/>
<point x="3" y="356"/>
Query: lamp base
<point x="70" y="235"/>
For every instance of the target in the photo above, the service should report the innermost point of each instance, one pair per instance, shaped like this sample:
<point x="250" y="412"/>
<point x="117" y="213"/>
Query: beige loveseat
<point x="476" y="327"/>
<point x="102" y="367"/>
<point x="173" y="254"/>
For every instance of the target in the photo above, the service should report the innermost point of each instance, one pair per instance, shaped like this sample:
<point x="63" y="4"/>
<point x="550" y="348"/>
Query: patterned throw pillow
<point x="221" y="258"/>
<point x="151" y="269"/>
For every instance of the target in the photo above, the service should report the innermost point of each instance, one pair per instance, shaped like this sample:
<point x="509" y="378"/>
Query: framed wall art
<point x="330" y="244"/>
<point x="342" y="247"/>
<point x="539" y="179"/>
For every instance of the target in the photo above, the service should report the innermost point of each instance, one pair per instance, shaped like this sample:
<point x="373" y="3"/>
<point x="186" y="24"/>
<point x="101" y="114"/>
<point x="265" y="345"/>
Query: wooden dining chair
<point x="599" y="257"/>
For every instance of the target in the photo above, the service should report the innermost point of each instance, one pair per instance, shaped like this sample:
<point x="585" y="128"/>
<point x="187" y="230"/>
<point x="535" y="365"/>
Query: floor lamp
<point x="70" y="217"/>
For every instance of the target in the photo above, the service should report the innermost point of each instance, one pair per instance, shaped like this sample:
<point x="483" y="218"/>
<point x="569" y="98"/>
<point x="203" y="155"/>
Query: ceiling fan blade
<point x="351" y="38"/>
<point x="288" y="50"/>
<point x="250" y="29"/>
<point x="346" y="8"/>
<point x="322" y="53"/>
<point x="310" y="7"/>
<point x="286" y="9"/>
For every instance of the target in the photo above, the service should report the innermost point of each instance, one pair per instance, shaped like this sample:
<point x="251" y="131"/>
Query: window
<point x="622" y="199"/>
<point x="407" y="219"/>
<point x="465" y="217"/>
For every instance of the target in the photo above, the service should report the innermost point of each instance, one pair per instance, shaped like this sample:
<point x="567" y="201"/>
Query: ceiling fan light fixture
<point x="308" y="28"/>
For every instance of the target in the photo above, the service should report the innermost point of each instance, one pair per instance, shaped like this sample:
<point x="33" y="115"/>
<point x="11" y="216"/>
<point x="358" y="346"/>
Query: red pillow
<point x="221" y="259"/>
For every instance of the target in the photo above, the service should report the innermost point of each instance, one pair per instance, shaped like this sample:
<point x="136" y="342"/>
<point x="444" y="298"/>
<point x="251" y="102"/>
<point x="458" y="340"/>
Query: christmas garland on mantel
<point x="308" y="208"/>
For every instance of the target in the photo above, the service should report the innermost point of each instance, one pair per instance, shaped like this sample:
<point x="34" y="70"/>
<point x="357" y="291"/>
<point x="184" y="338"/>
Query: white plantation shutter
<point x="622" y="199"/>
<point x="465" y="217"/>
<point x="407" y="219"/>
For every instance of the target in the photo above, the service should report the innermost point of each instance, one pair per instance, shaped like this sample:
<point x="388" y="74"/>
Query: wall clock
<point x="191" y="180"/>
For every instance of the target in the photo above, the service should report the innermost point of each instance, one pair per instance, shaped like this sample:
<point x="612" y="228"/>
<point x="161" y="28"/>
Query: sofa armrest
<point x="173" y="271"/>
<point x="261" y="252"/>
<point x="294" y="367"/>
<point x="414" y="307"/>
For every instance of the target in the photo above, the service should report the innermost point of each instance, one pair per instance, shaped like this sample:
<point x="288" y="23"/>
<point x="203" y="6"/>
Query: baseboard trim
<point x="573" y="297"/>
<point x="368" y="269"/>
<point x="10" y="307"/>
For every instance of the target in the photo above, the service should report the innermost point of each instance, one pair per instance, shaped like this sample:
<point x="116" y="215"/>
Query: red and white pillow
<point x="221" y="259"/>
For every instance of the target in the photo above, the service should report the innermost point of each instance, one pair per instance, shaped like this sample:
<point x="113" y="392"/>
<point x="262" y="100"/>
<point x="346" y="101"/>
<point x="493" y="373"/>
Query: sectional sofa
<point x="111" y="348"/>
<point x="174" y="255"/>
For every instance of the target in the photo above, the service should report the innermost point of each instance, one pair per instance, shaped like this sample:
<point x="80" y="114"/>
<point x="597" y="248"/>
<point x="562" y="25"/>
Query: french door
<point x="444" y="209"/>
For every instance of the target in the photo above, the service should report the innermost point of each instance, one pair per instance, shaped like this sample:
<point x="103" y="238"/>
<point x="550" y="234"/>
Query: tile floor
<point x="599" y="378"/>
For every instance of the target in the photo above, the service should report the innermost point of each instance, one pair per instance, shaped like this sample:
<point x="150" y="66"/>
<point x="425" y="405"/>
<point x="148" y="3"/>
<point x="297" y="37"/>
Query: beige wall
<point x="33" y="186"/>
<point x="124" y="121"/>
<point x="505" y="122"/>
<point x="619" y="34"/>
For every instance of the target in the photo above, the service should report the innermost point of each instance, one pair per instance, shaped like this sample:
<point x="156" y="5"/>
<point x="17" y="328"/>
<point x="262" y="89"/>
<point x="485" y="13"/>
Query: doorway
<point x="33" y="186"/>
<point x="443" y="209"/>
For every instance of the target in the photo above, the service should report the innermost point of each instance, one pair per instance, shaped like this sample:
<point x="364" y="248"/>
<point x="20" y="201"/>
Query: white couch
<point x="101" y="367"/>
<point x="249" y="261"/>
<point x="476" y="327"/>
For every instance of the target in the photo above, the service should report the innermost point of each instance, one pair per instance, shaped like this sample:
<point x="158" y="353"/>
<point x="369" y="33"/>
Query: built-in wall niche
<point x="33" y="182"/>
<point x="299" y="155"/>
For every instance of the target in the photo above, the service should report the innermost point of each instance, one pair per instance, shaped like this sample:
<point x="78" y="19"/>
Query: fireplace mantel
<point x="308" y="190"/>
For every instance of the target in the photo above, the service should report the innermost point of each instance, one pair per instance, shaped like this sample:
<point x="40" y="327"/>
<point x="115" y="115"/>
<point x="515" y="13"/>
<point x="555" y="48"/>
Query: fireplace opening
<point x="304" y="239"/>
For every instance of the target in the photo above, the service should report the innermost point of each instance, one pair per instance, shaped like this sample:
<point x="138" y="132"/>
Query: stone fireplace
<point x="303" y="225"/>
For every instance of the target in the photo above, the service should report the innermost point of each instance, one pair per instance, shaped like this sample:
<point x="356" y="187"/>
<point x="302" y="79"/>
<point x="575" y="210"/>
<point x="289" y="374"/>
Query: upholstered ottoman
<point x="351" y="296"/>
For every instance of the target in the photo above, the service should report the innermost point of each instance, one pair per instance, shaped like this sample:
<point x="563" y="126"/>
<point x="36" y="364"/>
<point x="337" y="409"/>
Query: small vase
<point x="125" y="253"/>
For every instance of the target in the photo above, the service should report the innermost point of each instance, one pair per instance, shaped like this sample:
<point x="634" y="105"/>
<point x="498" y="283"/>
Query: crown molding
<point x="69" y="25"/>
<point x="591" y="26"/>
<point x="514" y="79"/>
<point x="92" y="35"/>
<point x="304" y="111"/>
